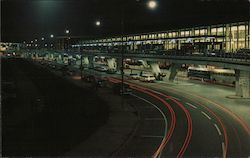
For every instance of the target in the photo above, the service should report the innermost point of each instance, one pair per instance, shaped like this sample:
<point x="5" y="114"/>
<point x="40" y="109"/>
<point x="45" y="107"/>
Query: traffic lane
<point x="179" y="136"/>
<point x="207" y="139"/>
<point x="217" y="143"/>
<point x="200" y="145"/>
<point x="149" y="132"/>
<point x="236" y="131"/>
<point x="237" y="137"/>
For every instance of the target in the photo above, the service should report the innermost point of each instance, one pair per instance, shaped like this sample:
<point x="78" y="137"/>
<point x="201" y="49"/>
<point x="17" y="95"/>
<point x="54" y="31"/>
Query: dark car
<point x="111" y="71"/>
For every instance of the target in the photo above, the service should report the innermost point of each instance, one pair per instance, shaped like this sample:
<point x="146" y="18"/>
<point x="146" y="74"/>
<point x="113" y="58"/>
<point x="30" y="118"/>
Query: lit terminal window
<point x="196" y="32"/>
<point x="242" y="33"/>
<point x="203" y="32"/>
<point x="187" y="33"/>
<point x="220" y="31"/>
<point x="182" y="33"/>
<point x="174" y="34"/>
<point x="213" y="31"/>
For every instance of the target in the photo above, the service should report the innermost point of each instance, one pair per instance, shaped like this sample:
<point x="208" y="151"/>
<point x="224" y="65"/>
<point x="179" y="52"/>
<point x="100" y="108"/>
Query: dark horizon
<point x="26" y="20"/>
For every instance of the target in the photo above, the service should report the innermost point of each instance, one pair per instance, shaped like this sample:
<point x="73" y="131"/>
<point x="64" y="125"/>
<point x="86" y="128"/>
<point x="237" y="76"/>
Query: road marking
<point x="217" y="128"/>
<point x="153" y="119"/>
<point x="191" y="105"/>
<point x="151" y="136"/>
<point x="206" y="115"/>
<point x="175" y="98"/>
<point x="165" y="118"/>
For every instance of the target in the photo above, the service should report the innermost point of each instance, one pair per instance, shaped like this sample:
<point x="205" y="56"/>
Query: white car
<point x="102" y="69"/>
<point x="147" y="78"/>
<point x="134" y="76"/>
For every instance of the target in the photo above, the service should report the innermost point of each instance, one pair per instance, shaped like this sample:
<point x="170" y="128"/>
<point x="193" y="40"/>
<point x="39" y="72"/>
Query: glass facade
<point x="228" y="37"/>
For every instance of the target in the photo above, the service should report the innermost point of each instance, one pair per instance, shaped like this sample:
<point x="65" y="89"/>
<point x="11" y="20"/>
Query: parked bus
<point x="224" y="76"/>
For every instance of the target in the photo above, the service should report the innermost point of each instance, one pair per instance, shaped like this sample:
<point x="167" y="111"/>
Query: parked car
<point x="99" y="68"/>
<point x="134" y="76"/>
<point x="147" y="78"/>
<point x="111" y="71"/>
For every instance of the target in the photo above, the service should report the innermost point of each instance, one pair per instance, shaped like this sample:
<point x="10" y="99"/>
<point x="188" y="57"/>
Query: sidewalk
<point x="120" y="126"/>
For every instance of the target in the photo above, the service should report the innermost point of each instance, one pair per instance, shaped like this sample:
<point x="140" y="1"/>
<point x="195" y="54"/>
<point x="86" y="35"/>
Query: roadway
<point x="174" y="124"/>
<point x="195" y="127"/>
<point x="201" y="129"/>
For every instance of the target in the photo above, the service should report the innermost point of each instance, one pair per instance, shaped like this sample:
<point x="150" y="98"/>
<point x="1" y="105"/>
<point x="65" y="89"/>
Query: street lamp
<point x="51" y="36"/>
<point x="42" y="38"/>
<point x="67" y="32"/>
<point x="152" y="4"/>
<point x="98" y="23"/>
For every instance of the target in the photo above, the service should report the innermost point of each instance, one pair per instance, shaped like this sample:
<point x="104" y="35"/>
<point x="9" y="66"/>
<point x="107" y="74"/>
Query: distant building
<point x="228" y="37"/>
<point x="9" y="46"/>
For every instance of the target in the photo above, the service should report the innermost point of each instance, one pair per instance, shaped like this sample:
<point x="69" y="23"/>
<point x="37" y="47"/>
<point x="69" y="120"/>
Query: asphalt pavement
<point x="164" y="121"/>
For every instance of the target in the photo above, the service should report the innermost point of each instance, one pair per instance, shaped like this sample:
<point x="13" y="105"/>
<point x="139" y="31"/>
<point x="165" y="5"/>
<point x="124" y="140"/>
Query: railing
<point x="240" y="56"/>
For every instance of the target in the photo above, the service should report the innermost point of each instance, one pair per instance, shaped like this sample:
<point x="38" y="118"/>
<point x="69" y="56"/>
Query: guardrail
<point x="241" y="57"/>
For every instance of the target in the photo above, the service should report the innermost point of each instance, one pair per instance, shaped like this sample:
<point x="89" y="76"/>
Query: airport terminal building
<point x="229" y="37"/>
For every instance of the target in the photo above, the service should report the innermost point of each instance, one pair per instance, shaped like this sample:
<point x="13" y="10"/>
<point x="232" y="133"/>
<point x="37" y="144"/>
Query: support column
<point x="156" y="70"/>
<point x="144" y="63"/>
<point x="173" y="71"/>
<point x="90" y="61"/>
<point x="118" y="64"/>
<point x="242" y="83"/>
<point x="112" y="63"/>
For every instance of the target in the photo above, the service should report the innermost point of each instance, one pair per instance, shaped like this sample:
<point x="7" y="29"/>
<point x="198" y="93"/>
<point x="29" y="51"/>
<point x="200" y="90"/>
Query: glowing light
<point x="67" y="31"/>
<point x="98" y="23"/>
<point x="42" y="39"/>
<point x="51" y="36"/>
<point x="152" y="4"/>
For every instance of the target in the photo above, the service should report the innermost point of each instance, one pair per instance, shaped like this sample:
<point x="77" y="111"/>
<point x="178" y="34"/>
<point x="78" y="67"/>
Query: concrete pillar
<point x="91" y="61"/>
<point x="85" y="61"/>
<point x="118" y="64"/>
<point x="144" y="63"/>
<point x="112" y="63"/>
<point x="242" y="83"/>
<point x="173" y="71"/>
<point x="156" y="70"/>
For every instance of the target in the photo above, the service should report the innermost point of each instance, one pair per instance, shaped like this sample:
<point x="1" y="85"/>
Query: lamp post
<point x="152" y="5"/>
<point x="67" y="33"/>
<point x="51" y="36"/>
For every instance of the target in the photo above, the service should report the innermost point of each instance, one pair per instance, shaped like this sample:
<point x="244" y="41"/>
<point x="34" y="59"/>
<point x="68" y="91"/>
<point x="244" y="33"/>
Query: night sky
<point x="25" y="20"/>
